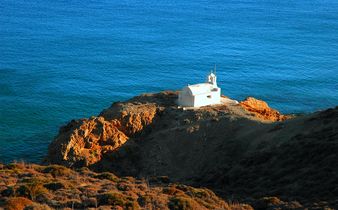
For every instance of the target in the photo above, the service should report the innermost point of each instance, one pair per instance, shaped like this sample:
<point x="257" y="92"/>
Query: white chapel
<point x="202" y="94"/>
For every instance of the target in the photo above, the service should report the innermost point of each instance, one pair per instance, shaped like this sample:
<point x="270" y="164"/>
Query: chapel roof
<point x="200" y="88"/>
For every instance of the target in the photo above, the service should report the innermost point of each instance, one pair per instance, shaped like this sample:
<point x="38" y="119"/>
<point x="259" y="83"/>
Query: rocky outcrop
<point x="131" y="118"/>
<point x="261" y="110"/>
<point x="225" y="147"/>
<point x="84" y="142"/>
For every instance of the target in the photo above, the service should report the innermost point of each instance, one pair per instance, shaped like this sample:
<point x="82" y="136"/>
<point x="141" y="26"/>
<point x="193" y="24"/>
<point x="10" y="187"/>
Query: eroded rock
<point x="84" y="142"/>
<point x="131" y="118"/>
<point x="262" y="110"/>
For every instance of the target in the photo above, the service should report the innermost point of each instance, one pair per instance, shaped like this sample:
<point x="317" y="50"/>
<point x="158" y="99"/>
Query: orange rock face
<point x="84" y="142"/>
<point x="261" y="110"/>
<point x="130" y="118"/>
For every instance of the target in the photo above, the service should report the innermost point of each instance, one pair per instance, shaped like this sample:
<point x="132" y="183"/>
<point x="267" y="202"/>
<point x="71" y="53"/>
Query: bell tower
<point x="212" y="78"/>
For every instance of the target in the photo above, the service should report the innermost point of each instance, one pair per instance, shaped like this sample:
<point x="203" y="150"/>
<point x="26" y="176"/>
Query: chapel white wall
<point x="204" y="100"/>
<point x="185" y="99"/>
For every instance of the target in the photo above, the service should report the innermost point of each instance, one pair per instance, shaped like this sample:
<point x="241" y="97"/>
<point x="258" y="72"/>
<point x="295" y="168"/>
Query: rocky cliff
<point x="242" y="150"/>
<point x="84" y="142"/>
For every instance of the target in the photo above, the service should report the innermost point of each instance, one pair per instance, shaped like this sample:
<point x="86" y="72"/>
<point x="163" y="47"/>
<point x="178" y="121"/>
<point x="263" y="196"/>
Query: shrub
<point x="200" y="193"/>
<point x="22" y="191"/>
<point x="9" y="191"/>
<point x="32" y="189"/>
<point x="14" y="168"/>
<point x="267" y="202"/>
<point x="117" y="199"/>
<point x="182" y="187"/>
<point x="107" y="175"/>
<point x="294" y="205"/>
<point x="246" y="207"/>
<point x="234" y="205"/>
<point x="182" y="203"/>
<point x="54" y="186"/>
<point x="16" y="165"/>
<point x="37" y="206"/>
<point x="57" y="170"/>
<point x="8" y="171"/>
<point x="89" y="202"/>
<point x="84" y="171"/>
<point x="124" y="186"/>
<point x="74" y="203"/>
<point x="128" y="179"/>
<point x="17" y="203"/>
<point x="172" y="190"/>
<point x="143" y="200"/>
<point x="113" y="198"/>
<point x="272" y="200"/>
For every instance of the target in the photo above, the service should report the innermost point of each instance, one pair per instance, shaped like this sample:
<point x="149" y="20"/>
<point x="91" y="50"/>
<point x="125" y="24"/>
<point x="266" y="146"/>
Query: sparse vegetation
<point x="17" y="203"/>
<point x="57" y="170"/>
<point x="117" y="199"/>
<point x="55" y="187"/>
<point x="182" y="203"/>
<point x="32" y="188"/>
<point x="107" y="175"/>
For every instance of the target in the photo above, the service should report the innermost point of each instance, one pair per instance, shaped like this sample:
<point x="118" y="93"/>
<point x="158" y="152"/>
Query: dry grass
<point x="32" y="188"/>
<point x="107" y="175"/>
<point x="57" y="170"/>
<point x="57" y="187"/>
<point x="53" y="187"/>
<point x="183" y="203"/>
<point x="17" y="203"/>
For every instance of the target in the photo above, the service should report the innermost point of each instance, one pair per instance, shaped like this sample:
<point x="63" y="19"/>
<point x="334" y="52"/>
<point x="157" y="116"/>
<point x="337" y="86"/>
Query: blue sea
<point x="61" y="60"/>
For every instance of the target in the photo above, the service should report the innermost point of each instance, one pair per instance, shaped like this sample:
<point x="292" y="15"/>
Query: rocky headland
<point x="87" y="142"/>
<point x="245" y="152"/>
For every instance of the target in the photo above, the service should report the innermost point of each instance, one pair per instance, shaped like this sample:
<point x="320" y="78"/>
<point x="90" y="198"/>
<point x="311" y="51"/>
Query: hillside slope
<point x="234" y="149"/>
<point x="30" y="186"/>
